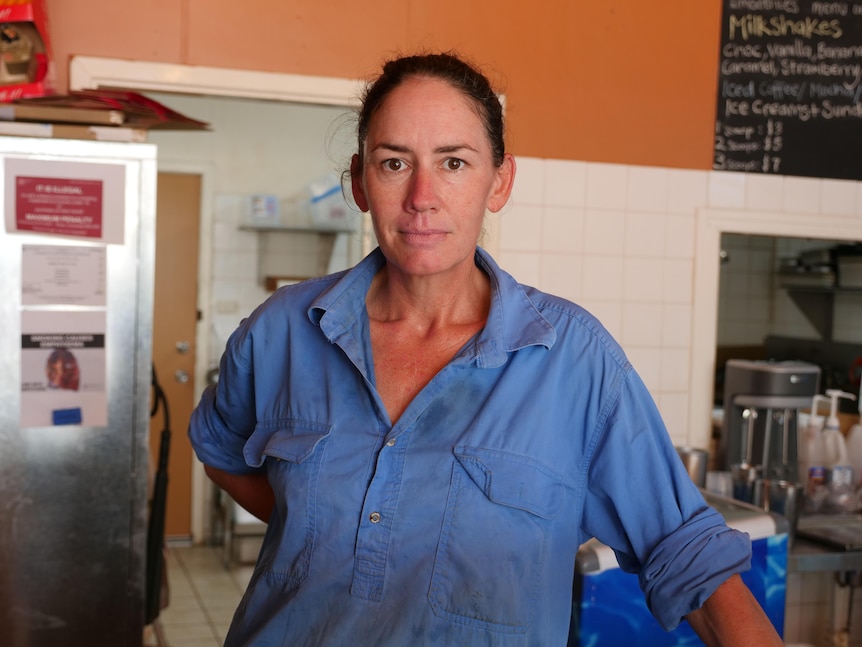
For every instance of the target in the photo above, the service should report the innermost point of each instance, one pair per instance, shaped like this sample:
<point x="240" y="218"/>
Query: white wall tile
<point x="524" y="266"/>
<point x="641" y="325"/>
<point x="838" y="197"/>
<point x="563" y="230"/>
<point x="676" y="325"/>
<point x="726" y="190"/>
<point x="764" y="192"/>
<point x="225" y="265"/>
<point x="223" y="236"/>
<point x="604" y="231"/>
<point x="529" y="185"/>
<point x="521" y="229"/>
<point x="647" y="189"/>
<point x="607" y="186"/>
<point x="565" y="183"/>
<point x="678" y="281"/>
<point x="679" y="236"/>
<point x="643" y="279"/>
<point x="675" y="369"/>
<point x="645" y="234"/>
<point x="246" y="267"/>
<point x="603" y="278"/>
<point x="801" y="195"/>
<point x="561" y="274"/>
<point x="687" y="191"/>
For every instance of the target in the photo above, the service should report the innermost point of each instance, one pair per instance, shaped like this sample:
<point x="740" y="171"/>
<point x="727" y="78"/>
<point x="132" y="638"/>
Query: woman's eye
<point x="393" y="165"/>
<point x="454" y="164"/>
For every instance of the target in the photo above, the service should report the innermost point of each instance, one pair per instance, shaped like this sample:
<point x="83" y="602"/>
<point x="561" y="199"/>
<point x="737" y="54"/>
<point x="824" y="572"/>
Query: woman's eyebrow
<point x="397" y="148"/>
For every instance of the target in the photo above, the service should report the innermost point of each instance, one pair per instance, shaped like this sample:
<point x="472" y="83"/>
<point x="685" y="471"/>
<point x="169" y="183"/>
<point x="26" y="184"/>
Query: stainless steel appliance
<point x="759" y="428"/>
<point x="76" y="281"/>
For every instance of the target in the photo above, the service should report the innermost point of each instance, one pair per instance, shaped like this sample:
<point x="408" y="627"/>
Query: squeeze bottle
<point x="854" y="444"/>
<point x="835" y="449"/>
<point x="810" y="450"/>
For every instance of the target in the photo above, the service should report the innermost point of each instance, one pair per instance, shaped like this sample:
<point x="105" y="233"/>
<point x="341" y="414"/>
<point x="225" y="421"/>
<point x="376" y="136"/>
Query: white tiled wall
<point x="622" y="241"/>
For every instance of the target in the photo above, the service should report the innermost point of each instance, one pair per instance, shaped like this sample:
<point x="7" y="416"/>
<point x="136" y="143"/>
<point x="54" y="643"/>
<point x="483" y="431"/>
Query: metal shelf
<point x="817" y="304"/>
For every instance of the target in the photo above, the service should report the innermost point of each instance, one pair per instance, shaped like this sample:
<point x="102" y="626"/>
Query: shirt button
<point x="374" y="517"/>
<point x="390" y="442"/>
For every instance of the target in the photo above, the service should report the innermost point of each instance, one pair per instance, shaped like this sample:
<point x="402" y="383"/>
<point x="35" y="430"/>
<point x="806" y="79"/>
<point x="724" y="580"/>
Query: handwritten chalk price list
<point x="790" y="88"/>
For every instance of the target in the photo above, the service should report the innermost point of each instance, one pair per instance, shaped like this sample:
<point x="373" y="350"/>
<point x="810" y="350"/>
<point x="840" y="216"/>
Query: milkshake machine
<point x="759" y="429"/>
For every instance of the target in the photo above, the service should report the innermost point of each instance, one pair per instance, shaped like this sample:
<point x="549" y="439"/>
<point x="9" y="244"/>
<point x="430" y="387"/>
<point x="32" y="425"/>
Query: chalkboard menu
<point x="790" y="88"/>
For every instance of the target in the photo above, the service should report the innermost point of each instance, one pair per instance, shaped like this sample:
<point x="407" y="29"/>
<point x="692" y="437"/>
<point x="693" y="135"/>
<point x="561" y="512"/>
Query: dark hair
<point x="450" y="68"/>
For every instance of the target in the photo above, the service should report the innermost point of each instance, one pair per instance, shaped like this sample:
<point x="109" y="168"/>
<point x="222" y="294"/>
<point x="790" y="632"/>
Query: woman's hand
<point x="252" y="491"/>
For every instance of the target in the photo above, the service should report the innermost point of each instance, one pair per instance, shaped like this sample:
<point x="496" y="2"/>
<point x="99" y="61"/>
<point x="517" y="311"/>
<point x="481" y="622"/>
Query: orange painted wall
<point x="623" y="81"/>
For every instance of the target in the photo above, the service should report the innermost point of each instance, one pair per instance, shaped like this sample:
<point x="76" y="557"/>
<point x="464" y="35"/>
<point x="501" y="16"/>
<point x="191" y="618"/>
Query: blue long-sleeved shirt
<point x="459" y="524"/>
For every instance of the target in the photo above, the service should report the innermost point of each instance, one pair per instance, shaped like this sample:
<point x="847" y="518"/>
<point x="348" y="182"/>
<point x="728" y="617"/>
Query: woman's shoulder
<point x="575" y="324"/>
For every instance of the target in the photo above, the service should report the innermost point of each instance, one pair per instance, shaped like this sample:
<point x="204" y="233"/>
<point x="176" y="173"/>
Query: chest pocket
<point x="490" y="558"/>
<point x="292" y="451"/>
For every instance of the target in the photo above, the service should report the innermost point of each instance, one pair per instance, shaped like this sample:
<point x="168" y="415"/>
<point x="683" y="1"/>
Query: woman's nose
<point x="422" y="194"/>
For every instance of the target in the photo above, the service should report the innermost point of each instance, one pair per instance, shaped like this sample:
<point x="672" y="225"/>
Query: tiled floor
<point x="203" y="594"/>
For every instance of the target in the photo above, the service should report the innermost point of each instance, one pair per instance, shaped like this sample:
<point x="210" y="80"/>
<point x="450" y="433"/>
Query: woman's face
<point x="427" y="177"/>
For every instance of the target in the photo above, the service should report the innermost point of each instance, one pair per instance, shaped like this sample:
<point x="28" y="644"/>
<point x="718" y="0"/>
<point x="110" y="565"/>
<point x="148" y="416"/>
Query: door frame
<point x="89" y="72"/>
<point x="201" y="493"/>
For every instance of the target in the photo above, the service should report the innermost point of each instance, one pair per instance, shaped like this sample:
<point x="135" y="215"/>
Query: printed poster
<point x="63" y="368"/>
<point x="56" y="198"/>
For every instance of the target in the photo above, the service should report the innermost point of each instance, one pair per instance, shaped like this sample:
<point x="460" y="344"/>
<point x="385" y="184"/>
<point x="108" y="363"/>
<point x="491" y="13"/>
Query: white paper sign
<point x="63" y="275"/>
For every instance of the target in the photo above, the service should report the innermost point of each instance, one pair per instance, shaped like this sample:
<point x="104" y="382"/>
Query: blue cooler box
<point x="608" y="607"/>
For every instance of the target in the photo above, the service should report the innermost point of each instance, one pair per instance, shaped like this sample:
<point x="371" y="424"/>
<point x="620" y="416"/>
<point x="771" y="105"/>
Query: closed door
<point x="174" y="327"/>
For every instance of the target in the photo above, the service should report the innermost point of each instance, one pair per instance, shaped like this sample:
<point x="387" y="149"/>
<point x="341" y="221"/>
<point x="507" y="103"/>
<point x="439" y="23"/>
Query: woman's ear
<point x="356" y="184"/>
<point x="503" y="183"/>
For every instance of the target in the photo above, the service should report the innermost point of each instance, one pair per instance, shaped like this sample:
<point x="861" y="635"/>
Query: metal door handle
<point x="182" y="377"/>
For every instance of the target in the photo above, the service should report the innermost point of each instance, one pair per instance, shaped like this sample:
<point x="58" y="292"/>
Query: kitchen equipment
<point x="763" y="445"/>
<point x="74" y="463"/>
<point x="745" y="474"/>
<point x="781" y="497"/>
<point x="695" y="461"/>
<point x="608" y="606"/>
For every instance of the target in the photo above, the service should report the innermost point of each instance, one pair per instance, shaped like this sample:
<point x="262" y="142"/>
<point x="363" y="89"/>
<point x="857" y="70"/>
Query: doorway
<point x="175" y="316"/>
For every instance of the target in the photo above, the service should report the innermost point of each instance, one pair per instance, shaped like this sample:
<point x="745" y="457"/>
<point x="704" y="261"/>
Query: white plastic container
<point x="834" y="447"/>
<point x="854" y="445"/>
<point x="810" y="450"/>
<point x="328" y="207"/>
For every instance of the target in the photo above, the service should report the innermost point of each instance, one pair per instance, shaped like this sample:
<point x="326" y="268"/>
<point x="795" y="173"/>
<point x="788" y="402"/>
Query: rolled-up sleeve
<point x="225" y="416"/>
<point x="689" y="565"/>
<point x="643" y="504"/>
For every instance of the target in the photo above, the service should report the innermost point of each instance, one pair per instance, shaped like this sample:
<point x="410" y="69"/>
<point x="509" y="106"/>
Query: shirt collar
<point x="514" y="321"/>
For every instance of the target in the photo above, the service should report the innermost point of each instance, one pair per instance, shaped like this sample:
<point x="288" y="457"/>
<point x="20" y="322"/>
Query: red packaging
<point x="26" y="67"/>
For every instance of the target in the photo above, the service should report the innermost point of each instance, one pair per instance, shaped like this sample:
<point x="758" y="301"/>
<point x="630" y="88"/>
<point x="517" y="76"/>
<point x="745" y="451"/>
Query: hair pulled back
<point x="447" y="67"/>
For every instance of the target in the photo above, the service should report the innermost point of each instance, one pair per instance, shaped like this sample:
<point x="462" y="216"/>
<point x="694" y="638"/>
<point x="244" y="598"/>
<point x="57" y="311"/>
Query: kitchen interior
<point x="690" y="269"/>
<point x="757" y="318"/>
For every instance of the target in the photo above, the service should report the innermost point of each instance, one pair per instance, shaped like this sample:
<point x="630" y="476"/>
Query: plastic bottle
<point x="854" y="445"/>
<point x="835" y="448"/>
<point x="810" y="450"/>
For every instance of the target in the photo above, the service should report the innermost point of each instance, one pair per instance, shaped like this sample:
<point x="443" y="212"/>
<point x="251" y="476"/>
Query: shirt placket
<point x="378" y="519"/>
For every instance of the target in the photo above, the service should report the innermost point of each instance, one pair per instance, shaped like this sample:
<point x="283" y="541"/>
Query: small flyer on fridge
<point x="63" y="368"/>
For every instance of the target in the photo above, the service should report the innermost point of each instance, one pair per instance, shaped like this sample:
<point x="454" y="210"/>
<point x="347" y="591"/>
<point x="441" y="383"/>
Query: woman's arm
<point x="252" y="491"/>
<point x="731" y="616"/>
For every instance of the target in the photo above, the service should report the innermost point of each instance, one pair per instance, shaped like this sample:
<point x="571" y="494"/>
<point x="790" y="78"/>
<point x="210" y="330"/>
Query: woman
<point x="430" y="441"/>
